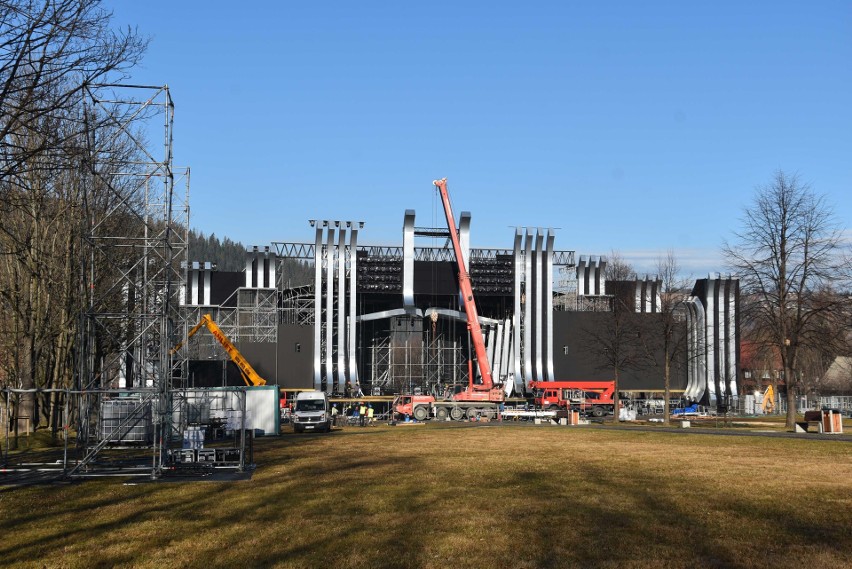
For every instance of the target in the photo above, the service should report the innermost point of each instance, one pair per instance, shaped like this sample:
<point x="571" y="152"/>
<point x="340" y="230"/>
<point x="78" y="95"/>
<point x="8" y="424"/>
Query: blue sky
<point x="630" y="126"/>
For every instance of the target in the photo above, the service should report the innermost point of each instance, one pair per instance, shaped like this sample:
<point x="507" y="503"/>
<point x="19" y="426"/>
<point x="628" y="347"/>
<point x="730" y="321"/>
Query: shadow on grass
<point x="148" y="520"/>
<point x="348" y="500"/>
<point x="648" y="521"/>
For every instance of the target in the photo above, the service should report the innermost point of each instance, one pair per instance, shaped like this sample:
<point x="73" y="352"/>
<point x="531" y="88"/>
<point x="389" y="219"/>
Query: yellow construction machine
<point x="250" y="376"/>
<point x="768" y="405"/>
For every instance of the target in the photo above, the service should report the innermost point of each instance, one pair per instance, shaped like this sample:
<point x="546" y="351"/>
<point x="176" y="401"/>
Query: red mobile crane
<point x="478" y="398"/>
<point x="589" y="397"/>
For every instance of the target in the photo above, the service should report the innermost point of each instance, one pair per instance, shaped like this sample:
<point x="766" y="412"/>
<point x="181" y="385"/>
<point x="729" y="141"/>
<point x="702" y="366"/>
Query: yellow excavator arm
<point x="250" y="376"/>
<point x="769" y="400"/>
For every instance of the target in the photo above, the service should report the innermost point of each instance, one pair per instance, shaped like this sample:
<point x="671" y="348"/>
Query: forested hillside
<point x="230" y="255"/>
<point x="227" y="254"/>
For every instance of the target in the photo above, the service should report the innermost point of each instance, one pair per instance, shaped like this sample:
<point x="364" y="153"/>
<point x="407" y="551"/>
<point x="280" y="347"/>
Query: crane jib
<point x="467" y="293"/>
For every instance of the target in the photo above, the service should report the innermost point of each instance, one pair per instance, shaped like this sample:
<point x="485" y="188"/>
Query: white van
<point x="311" y="412"/>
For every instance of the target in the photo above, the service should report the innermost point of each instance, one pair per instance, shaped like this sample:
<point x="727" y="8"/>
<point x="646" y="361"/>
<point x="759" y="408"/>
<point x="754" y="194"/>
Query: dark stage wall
<point x="289" y="363"/>
<point x="574" y="359"/>
<point x="295" y="356"/>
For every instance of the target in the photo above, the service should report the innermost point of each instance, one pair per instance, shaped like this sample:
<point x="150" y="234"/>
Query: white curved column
<point x="408" y="259"/>
<point x="353" y="296"/>
<point x="318" y="262"/>
<point x="341" y="311"/>
<point x="516" y="366"/>
<point x="329" y="311"/>
<point x="538" y="367"/>
<point x="548" y="305"/>
<point x="527" y="309"/>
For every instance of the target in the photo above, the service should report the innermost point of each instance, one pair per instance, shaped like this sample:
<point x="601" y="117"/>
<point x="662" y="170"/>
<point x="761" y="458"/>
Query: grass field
<point x="448" y="496"/>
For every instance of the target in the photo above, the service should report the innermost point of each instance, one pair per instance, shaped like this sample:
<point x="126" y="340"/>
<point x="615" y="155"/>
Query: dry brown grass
<point x="447" y="496"/>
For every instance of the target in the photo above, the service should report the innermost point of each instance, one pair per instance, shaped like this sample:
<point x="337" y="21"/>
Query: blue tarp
<point x="692" y="409"/>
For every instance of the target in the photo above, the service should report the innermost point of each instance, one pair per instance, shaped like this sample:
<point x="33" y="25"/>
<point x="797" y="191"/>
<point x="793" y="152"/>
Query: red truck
<point x="589" y="397"/>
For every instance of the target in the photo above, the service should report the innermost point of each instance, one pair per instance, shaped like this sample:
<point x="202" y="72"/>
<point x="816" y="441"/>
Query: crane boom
<point x="250" y="376"/>
<point x="467" y="294"/>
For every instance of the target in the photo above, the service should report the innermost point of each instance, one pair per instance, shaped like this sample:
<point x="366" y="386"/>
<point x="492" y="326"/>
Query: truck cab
<point x="417" y="406"/>
<point x="549" y="398"/>
<point x="311" y="412"/>
<point x="589" y="397"/>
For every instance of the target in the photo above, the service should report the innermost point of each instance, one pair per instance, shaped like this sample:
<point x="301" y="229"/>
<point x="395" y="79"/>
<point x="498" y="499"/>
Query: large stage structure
<point x="390" y="318"/>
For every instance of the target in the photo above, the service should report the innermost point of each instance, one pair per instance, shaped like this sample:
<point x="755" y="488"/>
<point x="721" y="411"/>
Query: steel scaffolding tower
<point x="297" y="306"/>
<point x="133" y="260"/>
<point x="257" y="314"/>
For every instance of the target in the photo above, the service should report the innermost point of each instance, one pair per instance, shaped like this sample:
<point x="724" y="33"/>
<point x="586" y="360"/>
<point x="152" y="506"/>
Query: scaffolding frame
<point x="297" y="306"/>
<point x="132" y="278"/>
<point x="257" y="314"/>
<point x="567" y="299"/>
<point x="433" y="363"/>
<point x="113" y="455"/>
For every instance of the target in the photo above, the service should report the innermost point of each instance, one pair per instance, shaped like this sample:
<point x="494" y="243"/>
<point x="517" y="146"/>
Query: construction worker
<point x="362" y="412"/>
<point x="369" y="414"/>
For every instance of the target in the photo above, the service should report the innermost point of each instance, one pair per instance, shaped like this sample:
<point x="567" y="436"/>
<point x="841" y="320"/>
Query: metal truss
<point x="301" y="251"/>
<point x="432" y="232"/>
<point x="395" y="367"/>
<point x="133" y="257"/>
<point x="305" y="251"/>
<point x="249" y="314"/>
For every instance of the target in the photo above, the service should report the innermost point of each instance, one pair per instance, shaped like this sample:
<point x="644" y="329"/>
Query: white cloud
<point x="693" y="261"/>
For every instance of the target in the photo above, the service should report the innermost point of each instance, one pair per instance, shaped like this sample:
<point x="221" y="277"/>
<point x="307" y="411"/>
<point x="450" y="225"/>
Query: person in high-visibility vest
<point x="370" y="414"/>
<point x="362" y="412"/>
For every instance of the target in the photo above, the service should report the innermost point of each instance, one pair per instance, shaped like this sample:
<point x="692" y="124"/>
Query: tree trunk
<point x="26" y="402"/>
<point x="789" y="379"/>
<point x="776" y="399"/>
<point x="667" y="387"/>
<point x="616" y="400"/>
<point x="14" y="418"/>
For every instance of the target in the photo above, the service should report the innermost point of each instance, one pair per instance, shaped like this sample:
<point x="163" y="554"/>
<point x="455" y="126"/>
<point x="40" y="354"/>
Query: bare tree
<point x="760" y="360"/>
<point x="667" y="332"/>
<point x="618" y="269"/>
<point x="616" y="344"/>
<point x="788" y="257"/>
<point x="816" y="358"/>
<point x="838" y="377"/>
<point x="50" y="52"/>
